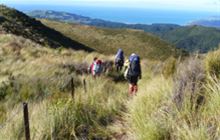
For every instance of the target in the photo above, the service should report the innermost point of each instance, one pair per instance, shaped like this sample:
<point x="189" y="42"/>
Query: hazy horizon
<point x="182" y="5"/>
<point x="179" y="12"/>
<point x="125" y="14"/>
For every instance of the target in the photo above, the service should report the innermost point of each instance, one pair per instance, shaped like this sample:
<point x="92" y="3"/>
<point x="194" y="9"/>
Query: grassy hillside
<point x="107" y="41"/>
<point x="41" y="77"/>
<point x="15" y="22"/>
<point x="182" y="106"/>
<point x="194" y="38"/>
<point x="57" y="34"/>
<point x="190" y="38"/>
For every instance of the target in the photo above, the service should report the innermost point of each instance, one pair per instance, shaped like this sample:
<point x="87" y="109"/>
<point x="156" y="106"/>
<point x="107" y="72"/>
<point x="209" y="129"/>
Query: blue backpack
<point x="120" y="56"/>
<point x="98" y="67"/>
<point x="135" y="68"/>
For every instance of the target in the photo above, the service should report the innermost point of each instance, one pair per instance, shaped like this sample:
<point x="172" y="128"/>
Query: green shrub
<point x="212" y="63"/>
<point x="169" y="67"/>
<point x="3" y="91"/>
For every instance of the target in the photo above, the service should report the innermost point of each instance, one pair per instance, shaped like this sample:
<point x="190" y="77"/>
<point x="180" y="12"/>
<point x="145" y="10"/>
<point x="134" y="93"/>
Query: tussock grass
<point x="143" y="117"/>
<point x="212" y="63"/>
<point x="164" y="108"/>
<point x="62" y="118"/>
<point x="42" y="79"/>
<point x="170" y="66"/>
<point x="156" y="114"/>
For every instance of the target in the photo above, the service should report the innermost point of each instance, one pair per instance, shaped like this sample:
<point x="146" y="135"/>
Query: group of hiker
<point x="132" y="69"/>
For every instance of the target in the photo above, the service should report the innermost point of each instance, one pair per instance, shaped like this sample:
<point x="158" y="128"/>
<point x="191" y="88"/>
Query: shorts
<point x="133" y="79"/>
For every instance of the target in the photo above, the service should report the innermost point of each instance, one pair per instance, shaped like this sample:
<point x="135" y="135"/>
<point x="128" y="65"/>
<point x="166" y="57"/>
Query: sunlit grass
<point x="32" y="73"/>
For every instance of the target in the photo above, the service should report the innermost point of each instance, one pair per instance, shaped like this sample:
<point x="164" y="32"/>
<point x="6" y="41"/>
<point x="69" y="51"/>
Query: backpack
<point x="98" y="66"/>
<point x="134" y="67"/>
<point x="119" y="57"/>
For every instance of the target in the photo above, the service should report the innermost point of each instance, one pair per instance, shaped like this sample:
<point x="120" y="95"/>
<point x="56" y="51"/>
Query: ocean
<point x="126" y="15"/>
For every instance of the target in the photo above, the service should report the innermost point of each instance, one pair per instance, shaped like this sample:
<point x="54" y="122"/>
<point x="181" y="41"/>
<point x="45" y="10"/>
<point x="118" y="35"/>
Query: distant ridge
<point x="209" y="22"/>
<point x="102" y="40"/>
<point x="17" y="23"/>
<point x="195" y="38"/>
<point x="107" y="41"/>
<point x="74" y="18"/>
<point x="192" y="39"/>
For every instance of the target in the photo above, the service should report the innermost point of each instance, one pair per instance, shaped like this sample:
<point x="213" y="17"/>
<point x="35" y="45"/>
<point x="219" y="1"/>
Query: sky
<point x="193" y="5"/>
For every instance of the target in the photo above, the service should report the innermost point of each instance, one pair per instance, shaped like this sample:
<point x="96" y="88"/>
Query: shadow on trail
<point x="117" y="76"/>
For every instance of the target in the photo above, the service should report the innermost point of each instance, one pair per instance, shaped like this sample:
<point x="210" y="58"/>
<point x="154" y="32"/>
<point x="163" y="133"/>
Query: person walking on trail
<point x="96" y="67"/>
<point x="133" y="73"/>
<point x="119" y="60"/>
<point x="91" y="67"/>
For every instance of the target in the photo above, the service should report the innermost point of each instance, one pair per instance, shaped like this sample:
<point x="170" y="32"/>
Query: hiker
<point x="91" y="67"/>
<point x="119" y="60"/>
<point x="133" y="73"/>
<point x="96" y="67"/>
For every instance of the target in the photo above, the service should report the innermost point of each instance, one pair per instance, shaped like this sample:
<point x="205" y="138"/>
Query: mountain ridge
<point x="101" y="40"/>
<point x="167" y="32"/>
<point x="107" y="40"/>
<point x="208" y="22"/>
<point x="15" y="22"/>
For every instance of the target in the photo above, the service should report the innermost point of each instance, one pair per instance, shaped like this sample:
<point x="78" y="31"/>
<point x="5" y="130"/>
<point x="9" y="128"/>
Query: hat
<point x="133" y="54"/>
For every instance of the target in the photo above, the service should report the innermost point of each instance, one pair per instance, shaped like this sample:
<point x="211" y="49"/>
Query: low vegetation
<point x="178" y="102"/>
<point x="190" y="38"/>
<point x="40" y="76"/>
<point x="183" y="108"/>
<point x="212" y="63"/>
<point x="194" y="38"/>
<point x="107" y="41"/>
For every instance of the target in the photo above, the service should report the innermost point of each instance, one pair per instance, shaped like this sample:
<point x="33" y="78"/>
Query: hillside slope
<point x="185" y="37"/>
<point x="183" y="106"/>
<point x="40" y="76"/>
<point x="194" y="38"/>
<point x="107" y="41"/>
<point x="15" y="22"/>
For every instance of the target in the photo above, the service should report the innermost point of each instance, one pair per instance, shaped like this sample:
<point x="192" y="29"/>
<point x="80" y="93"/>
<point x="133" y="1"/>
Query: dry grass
<point x="164" y="108"/>
<point x="192" y="113"/>
<point x="41" y="76"/>
<point x="108" y="41"/>
<point x="212" y="63"/>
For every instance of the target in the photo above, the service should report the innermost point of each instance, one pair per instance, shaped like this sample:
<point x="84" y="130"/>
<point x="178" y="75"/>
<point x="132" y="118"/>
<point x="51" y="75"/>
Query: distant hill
<point x="209" y="22"/>
<point x="107" y="41"/>
<point x="74" y="18"/>
<point x="17" y="23"/>
<point x="191" y="38"/>
<point x="194" y="38"/>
